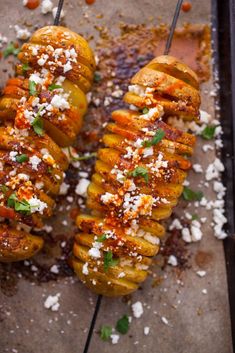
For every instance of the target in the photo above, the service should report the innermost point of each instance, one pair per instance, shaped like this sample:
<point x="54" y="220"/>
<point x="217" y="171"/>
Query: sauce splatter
<point x="90" y="2"/>
<point x="32" y="4"/>
<point x="186" y="6"/>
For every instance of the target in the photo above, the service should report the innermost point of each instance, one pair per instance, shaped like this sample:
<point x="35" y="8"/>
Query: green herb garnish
<point x="109" y="261"/>
<point x="145" y="110"/>
<point x="101" y="238"/>
<point x="26" y="67"/>
<point x="140" y="172"/>
<point x="156" y="139"/>
<point x="194" y="217"/>
<point x="22" y="158"/>
<point x="122" y="325"/>
<point x="82" y="158"/>
<point x="11" y="50"/>
<point x="97" y="77"/>
<point x="190" y="195"/>
<point x="209" y="132"/>
<point x="54" y="86"/>
<point x="37" y="125"/>
<point x="105" y="332"/>
<point x="4" y="188"/>
<point x="19" y="205"/>
<point x="32" y="88"/>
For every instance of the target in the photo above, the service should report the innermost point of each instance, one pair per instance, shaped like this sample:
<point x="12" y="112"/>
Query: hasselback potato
<point x="138" y="179"/>
<point x="41" y="111"/>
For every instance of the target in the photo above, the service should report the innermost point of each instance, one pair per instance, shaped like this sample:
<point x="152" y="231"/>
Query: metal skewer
<point x="173" y="26"/>
<point x="166" y="52"/>
<point x="58" y="12"/>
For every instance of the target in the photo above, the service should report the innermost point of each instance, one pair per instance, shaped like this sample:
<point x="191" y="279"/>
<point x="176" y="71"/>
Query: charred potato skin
<point x="60" y="130"/>
<point x="173" y="88"/>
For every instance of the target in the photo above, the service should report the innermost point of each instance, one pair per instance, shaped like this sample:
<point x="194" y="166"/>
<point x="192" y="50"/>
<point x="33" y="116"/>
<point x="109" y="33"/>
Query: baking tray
<point x="223" y="18"/>
<point x="27" y="327"/>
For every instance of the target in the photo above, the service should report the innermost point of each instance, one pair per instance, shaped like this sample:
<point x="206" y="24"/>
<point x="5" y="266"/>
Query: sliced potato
<point x="17" y="245"/>
<point x="173" y="67"/>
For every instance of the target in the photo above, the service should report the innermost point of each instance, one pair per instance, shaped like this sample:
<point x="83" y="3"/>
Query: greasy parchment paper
<point x="197" y="322"/>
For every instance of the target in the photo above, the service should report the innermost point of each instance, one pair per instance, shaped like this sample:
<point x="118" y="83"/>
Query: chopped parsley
<point x="26" y="67"/>
<point x="54" y="86"/>
<point x="22" y="158"/>
<point x="109" y="261"/>
<point x="37" y="124"/>
<point x="122" y="325"/>
<point x="101" y="238"/>
<point x="209" y="132"/>
<point x="11" y="50"/>
<point x="32" y="88"/>
<point x="194" y="217"/>
<point x="4" y="188"/>
<point x="140" y="172"/>
<point x="190" y="195"/>
<point x="145" y="110"/>
<point x="97" y="77"/>
<point x="19" y="205"/>
<point x="105" y="332"/>
<point x="156" y="139"/>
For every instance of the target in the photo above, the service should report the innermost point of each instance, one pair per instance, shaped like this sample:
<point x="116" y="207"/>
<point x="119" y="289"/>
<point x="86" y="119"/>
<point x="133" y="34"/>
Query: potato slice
<point x="59" y="36"/>
<point x="187" y="112"/>
<point x="167" y="86"/>
<point x="131" y="273"/>
<point x="173" y="67"/>
<point x="102" y="283"/>
<point x="17" y="245"/>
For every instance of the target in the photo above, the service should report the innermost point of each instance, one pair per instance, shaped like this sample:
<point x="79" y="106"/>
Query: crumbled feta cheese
<point x="186" y="235"/>
<point x="46" y="6"/>
<point x="146" y="330"/>
<point x="36" y="205"/>
<point x="85" y="270"/>
<point x="164" y="320"/>
<point x="22" y="33"/>
<point x="34" y="161"/>
<point x="204" y="117"/>
<point x="41" y="61"/>
<point x="175" y="224"/>
<point x="121" y="275"/>
<point x="81" y="188"/>
<point x="60" y="102"/>
<point x="148" y="152"/>
<point x="137" y="89"/>
<point x="201" y="273"/>
<point x="137" y="309"/>
<point x="214" y="169"/>
<point x="64" y="188"/>
<point x="94" y="252"/>
<point x="172" y="260"/>
<point x="13" y="155"/>
<point x="197" y="168"/>
<point x="204" y="291"/>
<point x="54" y="269"/>
<point x="151" y="239"/>
<point x="67" y="67"/>
<point x="114" y="338"/>
<point x="52" y="302"/>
